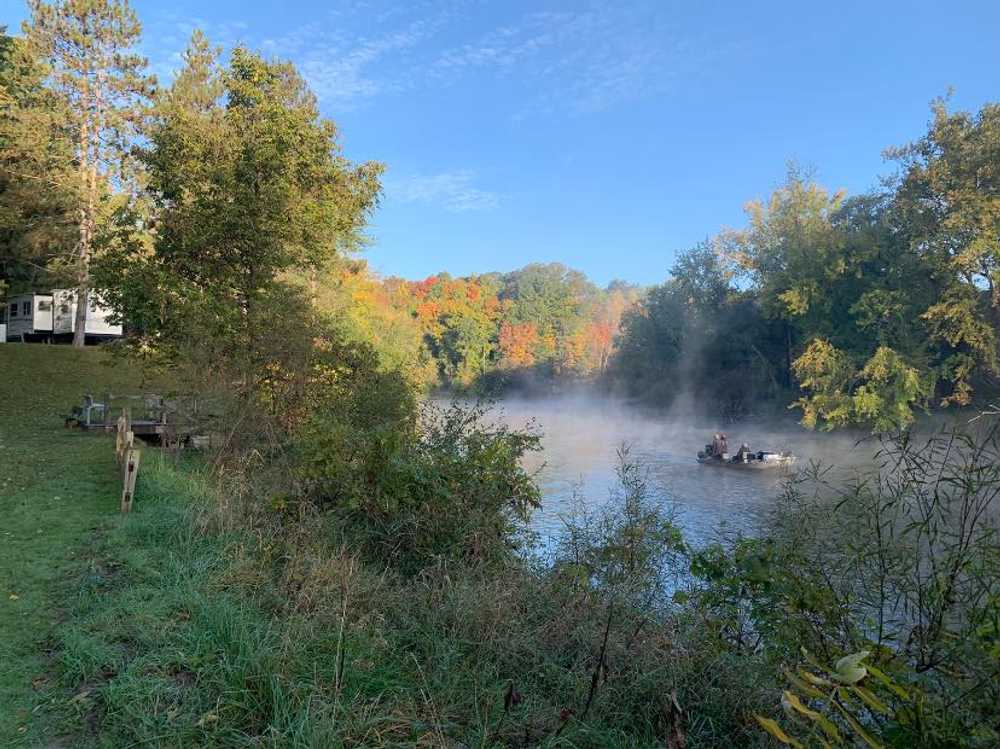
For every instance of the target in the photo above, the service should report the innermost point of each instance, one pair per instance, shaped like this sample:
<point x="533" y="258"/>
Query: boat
<point x="752" y="461"/>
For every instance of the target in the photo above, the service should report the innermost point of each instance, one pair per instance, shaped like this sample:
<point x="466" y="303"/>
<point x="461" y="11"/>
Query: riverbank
<point x="195" y="622"/>
<point x="217" y="617"/>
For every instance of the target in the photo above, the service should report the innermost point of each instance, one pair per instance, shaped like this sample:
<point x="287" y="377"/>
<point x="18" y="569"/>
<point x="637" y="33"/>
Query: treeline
<point x="531" y="327"/>
<point x="874" y="306"/>
<point x="855" y="310"/>
<point x="858" y="309"/>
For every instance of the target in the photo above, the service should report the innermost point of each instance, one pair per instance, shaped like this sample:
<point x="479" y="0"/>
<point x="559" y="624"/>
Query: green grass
<point x="199" y="620"/>
<point x="58" y="491"/>
<point x="118" y="629"/>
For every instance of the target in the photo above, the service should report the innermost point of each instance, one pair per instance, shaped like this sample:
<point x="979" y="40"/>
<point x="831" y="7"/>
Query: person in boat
<point x="743" y="455"/>
<point x="716" y="446"/>
<point x="723" y="444"/>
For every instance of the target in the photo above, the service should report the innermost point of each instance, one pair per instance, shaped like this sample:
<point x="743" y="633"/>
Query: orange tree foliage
<point x="370" y="310"/>
<point x="544" y="319"/>
<point x="517" y="344"/>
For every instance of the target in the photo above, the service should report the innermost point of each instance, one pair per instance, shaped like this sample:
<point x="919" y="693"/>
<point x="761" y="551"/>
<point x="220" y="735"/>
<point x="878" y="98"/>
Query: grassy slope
<point x="57" y="488"/>
<point x="169" y="628"/>
<point x="118" y="630"/>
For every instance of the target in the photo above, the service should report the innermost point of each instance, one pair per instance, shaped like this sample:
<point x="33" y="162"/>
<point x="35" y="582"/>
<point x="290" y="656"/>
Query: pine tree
<point x="36" y="189"/>
<point x="88" y="46"/>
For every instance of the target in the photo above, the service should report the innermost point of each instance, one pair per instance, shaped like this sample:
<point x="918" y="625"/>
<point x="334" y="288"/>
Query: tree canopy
<point x="212" y="206"/>
<point x="875" y="306"/>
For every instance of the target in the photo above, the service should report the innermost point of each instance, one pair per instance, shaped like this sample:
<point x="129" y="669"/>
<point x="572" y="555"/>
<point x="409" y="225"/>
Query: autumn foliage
<point x="546" y="321"/>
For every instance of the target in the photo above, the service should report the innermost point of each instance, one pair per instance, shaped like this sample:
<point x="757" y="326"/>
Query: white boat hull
<point x="768" y="462"/>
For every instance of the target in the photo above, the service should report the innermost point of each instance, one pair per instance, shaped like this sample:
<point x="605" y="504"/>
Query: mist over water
<point x="581" y="435"/>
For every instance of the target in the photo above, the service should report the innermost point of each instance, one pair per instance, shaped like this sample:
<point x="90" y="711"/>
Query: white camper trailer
<point x="52" y="317"/>
<point x="64" y="316"/>
<point x="29" y="317"/>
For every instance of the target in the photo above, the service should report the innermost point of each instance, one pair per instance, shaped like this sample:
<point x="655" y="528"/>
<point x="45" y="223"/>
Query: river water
<point x="581" y="437"/>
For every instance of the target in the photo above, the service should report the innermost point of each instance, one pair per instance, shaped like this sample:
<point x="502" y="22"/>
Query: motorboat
<point x="746" y="460"/>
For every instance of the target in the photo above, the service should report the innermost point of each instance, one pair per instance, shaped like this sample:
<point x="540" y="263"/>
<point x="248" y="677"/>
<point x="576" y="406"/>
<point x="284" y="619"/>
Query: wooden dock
<point x="153" y="418"/>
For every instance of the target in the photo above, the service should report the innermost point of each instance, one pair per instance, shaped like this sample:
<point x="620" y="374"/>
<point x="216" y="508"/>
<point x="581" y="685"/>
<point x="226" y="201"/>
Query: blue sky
<point x="606" y="136"/>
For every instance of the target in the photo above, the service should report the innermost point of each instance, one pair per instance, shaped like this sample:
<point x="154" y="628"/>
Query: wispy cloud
<point x="341" y="73"/>
<point x="454" y="191"/>
<point x="579" y="61"/>
<point x="343" y="68"/>
<point x="346" y="68"/>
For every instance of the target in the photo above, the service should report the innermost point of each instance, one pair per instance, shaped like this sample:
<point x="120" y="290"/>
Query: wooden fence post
<point x="129" y="475"/>
<point x="120" y="438"/>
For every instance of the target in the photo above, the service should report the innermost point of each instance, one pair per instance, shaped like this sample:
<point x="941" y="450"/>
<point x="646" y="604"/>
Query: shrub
<point x="451" y="486"/>
<point x="901" y="562"/>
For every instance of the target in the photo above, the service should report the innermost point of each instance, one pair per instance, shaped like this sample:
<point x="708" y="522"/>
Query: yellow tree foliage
<point x="881" y="394"/>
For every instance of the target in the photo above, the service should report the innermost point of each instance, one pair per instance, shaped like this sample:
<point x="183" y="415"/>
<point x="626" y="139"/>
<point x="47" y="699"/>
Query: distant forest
<point x="857" y="309"/>
<point x="537" y="327"/>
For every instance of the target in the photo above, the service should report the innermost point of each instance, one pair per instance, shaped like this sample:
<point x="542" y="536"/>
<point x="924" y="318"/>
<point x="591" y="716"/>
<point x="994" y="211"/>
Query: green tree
<point x="555" y="299"/>
<point x="916" y="274"/>
<point x="697" y="335"/>
<point x="870" y="359"/>
<point x="650" y="345"/>
<point x="949" y="197"/>
<point x="468" y="343"/>
<point x="790" y="251"/>
<point x="249" y="189"/>
<point x="88" y="47"/>
<point x="886" y="285"/>
<point x="36" y="195"/>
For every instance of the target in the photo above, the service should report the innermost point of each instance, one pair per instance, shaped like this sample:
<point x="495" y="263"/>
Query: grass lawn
<point x="59" y="489"/>
<point x="123" y="630"/>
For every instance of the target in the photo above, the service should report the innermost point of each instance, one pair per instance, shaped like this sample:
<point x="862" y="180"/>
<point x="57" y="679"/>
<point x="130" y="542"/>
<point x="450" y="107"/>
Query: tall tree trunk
<point x="93" y="126"/>
<point x="83" y="272"/>
<point x="86" y="223"/>
<point x="82" y="284"/>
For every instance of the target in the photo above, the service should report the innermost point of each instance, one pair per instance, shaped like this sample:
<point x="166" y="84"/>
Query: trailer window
<point x="13" y="309"/>
<point x="26" y="308"/>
